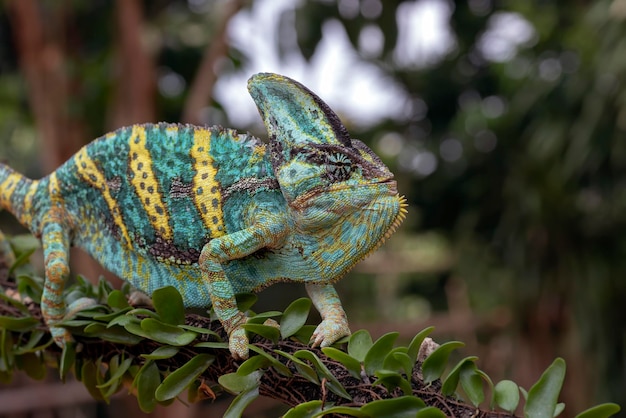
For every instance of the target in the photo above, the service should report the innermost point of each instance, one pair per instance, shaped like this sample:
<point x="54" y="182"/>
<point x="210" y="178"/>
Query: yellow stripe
<point x="206" y="194"/>
<point x="90" y="173"/>
<point x="146" y="184"/>
<point x="7" y="188"/>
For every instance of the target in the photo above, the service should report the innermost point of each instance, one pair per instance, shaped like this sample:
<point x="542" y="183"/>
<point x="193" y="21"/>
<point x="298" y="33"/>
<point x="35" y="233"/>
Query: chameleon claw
<point x="329" y="331"/>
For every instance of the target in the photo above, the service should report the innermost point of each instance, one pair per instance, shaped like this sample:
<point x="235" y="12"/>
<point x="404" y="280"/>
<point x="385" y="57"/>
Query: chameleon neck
<point x="16" y="193"/>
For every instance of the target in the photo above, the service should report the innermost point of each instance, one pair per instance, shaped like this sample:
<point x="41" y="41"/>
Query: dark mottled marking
<point x="215" y="203"/>
<point x="150" y="189"/>
<point x="142" y="185"/>
<point x="159" y="209"/>
<point x="147" y="201"/>
<point x="203" y="208"/>
<point x="144" y="175"/>
<point x="251" y="185"/>
<point x="215" y="220"/>
<point x="115" y="184"/>
<point x="205" y="176"/>
<point x="135" y="156"/>
<point x="179" y="189"/>
<point x="140" y="166"/>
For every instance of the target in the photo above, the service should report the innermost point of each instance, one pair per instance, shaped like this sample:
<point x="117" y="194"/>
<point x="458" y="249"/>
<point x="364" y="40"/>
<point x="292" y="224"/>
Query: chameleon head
<point x="338" y="190"/>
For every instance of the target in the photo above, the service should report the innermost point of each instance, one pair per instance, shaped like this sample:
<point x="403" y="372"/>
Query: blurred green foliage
<point x="512" y="145"/>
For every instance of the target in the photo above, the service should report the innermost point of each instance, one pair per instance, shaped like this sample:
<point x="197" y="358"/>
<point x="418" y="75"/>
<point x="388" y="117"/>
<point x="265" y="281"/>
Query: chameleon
<point x="214" y="212"/>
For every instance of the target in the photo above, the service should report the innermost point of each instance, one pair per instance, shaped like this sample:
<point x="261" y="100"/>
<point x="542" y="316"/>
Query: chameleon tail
<point x="16" y="193"/>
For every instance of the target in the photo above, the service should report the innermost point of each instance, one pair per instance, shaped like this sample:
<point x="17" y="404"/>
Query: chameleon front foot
<point x="329" y="331"/>
<point x="62" y="336"/>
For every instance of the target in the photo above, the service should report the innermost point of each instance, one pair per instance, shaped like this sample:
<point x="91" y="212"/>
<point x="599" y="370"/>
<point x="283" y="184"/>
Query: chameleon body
<point x="214" y="212"/>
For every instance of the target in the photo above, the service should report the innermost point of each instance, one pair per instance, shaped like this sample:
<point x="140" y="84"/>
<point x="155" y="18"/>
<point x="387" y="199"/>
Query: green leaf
<point x="435" y="364"/>
<point x="506" y="395"/>
<point x="31" y="345"/>
<point x="303" y="369"/>
<point x="245" y="301"/>
<point x="350" y="363"/>
<point x="235" y="383"/>
<point x="472" y="383"/>
<point x="308" y="409"/>
<point x="399" y="360"/>
<point x="560" y="407"/>
<point x="89" y="379"/>
<point x="430" y="412"/>
<point x="32" y="364"/>
<point x="451" y="381"/>
<point x="262" y="317"/>
<point x="161" y="353"/>
<point x="280" y="367"/>
<point x="604" y="410"/>
<point x="304" y="334"/>
<point x="401" y="407"/>
<point x="331" y="381"/>
<point x="117" y="374"/>
<point x="168" y="304"/>
<point x="375" y="357"/>
<point x="212" y="344"/>
<point x="68" y="357"/>
<point x="22" y="324"/>
<point x="148" y="380"/>
<point x="416" y="343"/>
<point x="253" y="364"/>
<point x="543" y="395"/>
<point x="241" y="402"/>
<point x="165" y="333"/>
<point x="21" y="260"/>
<point x="29" y="286"/>
<point x="359" y="344"/>
<point x="391" y="380"/>
<point x="117" y="300"/>
<point x="265" y="331"/>
<point x="294" y="317"/>
<point x="110" y="316"/>
<point x="200" y="330"/>
<point x="181" y="378"/>
<point x="115" y="334"/>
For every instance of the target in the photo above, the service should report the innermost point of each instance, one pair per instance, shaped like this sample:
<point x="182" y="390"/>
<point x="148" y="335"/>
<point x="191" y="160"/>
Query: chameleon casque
<point x="214" y="212"/>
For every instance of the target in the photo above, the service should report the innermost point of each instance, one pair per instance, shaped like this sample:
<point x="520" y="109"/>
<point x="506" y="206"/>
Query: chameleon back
<point x="147" y="198"/>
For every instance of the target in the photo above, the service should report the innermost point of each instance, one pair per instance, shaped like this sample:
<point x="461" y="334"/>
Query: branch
<point x="201" y="88"/>
<point x="281" y="377"/>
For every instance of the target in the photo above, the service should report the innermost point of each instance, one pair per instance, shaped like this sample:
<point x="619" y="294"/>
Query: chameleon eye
<point x="338" y="167"/>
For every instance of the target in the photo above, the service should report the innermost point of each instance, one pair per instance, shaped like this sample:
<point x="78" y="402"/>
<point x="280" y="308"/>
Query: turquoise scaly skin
<point x="213" y="212"/>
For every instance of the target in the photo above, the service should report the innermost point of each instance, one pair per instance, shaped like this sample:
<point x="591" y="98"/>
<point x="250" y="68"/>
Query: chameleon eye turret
<point x="214" y="212"/>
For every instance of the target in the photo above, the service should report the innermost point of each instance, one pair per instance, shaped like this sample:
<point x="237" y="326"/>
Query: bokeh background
<point x="504" y="121"/>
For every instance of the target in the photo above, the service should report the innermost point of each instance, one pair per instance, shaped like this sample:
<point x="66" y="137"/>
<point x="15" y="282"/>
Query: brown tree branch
<point x="201" y="88"/>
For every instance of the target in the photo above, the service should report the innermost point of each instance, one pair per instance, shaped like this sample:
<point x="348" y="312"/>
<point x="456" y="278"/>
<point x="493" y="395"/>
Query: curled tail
<point x="16" y="193"/>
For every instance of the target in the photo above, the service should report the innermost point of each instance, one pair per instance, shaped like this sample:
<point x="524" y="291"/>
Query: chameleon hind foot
<point x="329" y="331"/>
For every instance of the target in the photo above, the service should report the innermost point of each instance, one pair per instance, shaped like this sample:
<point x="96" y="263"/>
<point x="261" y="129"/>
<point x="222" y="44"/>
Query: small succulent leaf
<point x="560" y="407"/>
<point x="117" y="373"/>
<point x="280" y="367"/>
<point x="391" y="380"/>
<point x="262" y="317"/>
<point x="212" y="344"/>
<point x="294" y="317"/>
<point x="375" y="357"/>
<point x="604" y="410"/>
<point x="245" y="301"/>
<point x="236" y="384"/>
<point x="430" y="412"/>
<point x="416" y="343"/>
<point x="21" y="324"/>
<point x="304" y="334"/>
<point x="108" y="317"/>
<point x="165" y="333"/>
<point x="168" y="303"/>
<point x="265" y="331"/>
<point x="147" y="380"/>
<point x="359" y="344"/>
<point x="451" y="381"/>
<point x="543" y="395"/>
<point x="241" y="402"/>
<point x="305" y="410"/>
<point x="435" y="364"/>
<point x="143" y="312"/>
<point x="30" y="286"/>
<point x="303" y="369"/>
<point x="181" y="378"/>
<point x="32" y="364"/>
<point x="68" y="357"/>
<point x="115" y="334"/>
<point x="31" y="345"/>
<point x="323" y="372"/>
<point x="15" y="303"/>
<point x="401" y="407"/>
<point x="253" y="364"/>
<point x="88" y="378"/>
<point x="117" y="300"/>
<point x="350" y="363"/>
<point x="200" y="330"/>
<point x="506" y="395"/>
<point x="21" y="259"/>
<point x="472" y="383"/>
<point x="162" y="353"/>
<point x="399" y="360"/>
